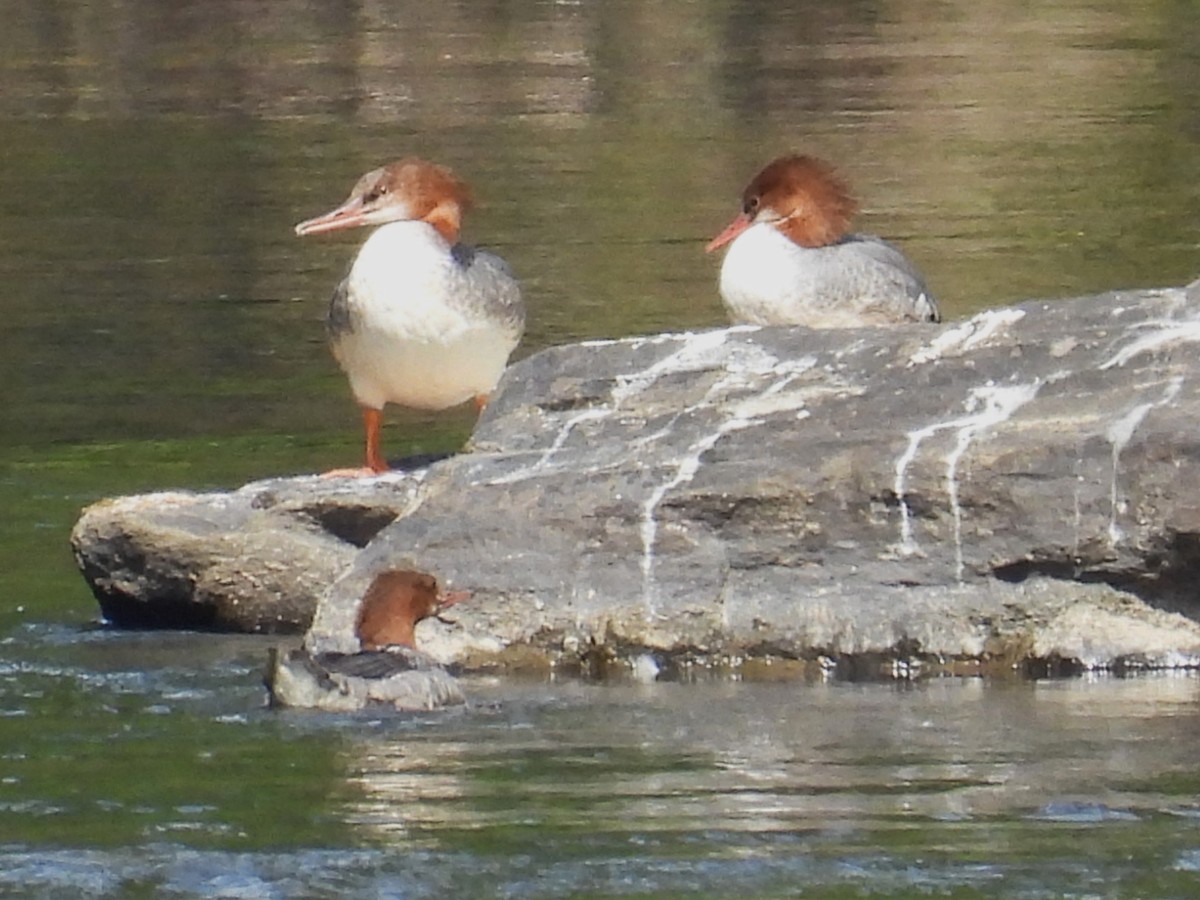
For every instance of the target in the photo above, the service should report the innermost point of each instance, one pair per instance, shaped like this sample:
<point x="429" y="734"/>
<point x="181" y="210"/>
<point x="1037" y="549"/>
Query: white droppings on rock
<point x="700" y="351"/>
<point x="1119" y="433"/>
<point x="999" y="403"/>
<point x="750" y="361"/>
<point x="1159" y="333"/>
<point x="966" y="336"/>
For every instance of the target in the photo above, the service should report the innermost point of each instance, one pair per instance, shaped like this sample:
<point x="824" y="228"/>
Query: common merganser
<point x="388" y="669"/>
<point x="393" y="605"/>
<point x="792" y="260"/>
<point x="421" y="320"/>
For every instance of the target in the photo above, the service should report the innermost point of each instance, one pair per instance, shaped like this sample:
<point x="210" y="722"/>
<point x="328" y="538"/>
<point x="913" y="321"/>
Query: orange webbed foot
<point x="360" y="472"/>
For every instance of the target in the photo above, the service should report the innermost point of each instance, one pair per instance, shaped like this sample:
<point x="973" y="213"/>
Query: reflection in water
<point x="158" y="756"/>
<point x="839" y="760"/>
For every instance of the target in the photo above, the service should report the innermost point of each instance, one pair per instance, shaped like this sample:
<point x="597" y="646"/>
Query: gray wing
<point x="492" y="286"/>
<point x="376" y="663"/>
<point x="337" y="319"/>
<point x="896" y="279"/>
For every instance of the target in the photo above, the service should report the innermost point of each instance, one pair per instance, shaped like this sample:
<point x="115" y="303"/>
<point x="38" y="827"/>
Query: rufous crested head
<point x="801" y="196"/>
<point x="393" y="605"/>
<point x="406" y="190"/>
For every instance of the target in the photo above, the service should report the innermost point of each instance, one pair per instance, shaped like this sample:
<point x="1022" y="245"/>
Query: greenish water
<point x="162" y="330"/>
<point x="145" y="765"/>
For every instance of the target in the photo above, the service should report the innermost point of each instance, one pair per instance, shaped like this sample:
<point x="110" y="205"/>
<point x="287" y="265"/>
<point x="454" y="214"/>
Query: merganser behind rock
<point x="792" y="260"/>
<point x="388" y="669"/>
<point x="421" y="320"/>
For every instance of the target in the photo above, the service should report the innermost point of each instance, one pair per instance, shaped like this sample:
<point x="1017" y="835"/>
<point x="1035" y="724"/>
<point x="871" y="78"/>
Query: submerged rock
<point x="1015" y="488"/>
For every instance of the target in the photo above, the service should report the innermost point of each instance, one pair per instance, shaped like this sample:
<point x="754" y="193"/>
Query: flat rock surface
<point x="1022" y="486"/>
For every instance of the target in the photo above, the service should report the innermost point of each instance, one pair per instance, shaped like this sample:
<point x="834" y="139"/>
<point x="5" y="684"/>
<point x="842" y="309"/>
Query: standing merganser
<point x="388" y="667"/>
<point x="421" y="320"/>
<point x="794" y="262"/>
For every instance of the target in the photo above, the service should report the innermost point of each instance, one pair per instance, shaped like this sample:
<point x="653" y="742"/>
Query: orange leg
<point x="372" y="420"/>
<point x="480" y="402"/>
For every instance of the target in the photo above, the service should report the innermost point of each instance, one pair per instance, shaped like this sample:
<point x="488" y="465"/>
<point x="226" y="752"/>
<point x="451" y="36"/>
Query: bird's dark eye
<point x="750" y="207"/>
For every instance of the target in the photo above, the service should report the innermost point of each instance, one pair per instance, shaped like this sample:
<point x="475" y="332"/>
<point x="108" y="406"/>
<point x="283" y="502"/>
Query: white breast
<point x="760" y="276"/>
<point x="423" y="328"/>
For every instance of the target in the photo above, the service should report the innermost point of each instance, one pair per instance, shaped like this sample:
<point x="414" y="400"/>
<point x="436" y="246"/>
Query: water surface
<point x="145" y="765"/>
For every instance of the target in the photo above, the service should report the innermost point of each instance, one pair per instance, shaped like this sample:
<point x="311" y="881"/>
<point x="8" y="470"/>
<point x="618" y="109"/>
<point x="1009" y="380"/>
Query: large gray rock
<point x="1021" y="486"/>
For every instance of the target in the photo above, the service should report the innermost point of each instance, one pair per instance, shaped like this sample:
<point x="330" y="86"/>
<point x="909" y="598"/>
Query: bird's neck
<point x="446" y="219"/>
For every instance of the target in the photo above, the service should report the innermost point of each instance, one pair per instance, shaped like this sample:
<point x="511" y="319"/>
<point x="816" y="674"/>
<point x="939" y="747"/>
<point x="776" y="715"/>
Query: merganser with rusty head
<point x="793" y="261"/>
<point x="388" y="668"/>
<point x="421" y="320"/>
